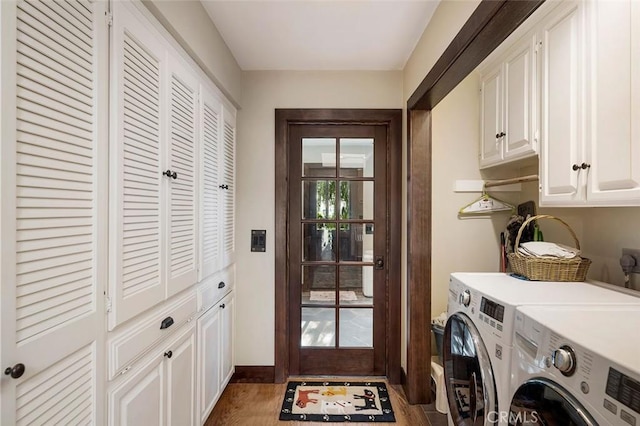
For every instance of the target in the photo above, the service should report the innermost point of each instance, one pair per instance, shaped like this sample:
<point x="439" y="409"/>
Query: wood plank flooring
<point x="259" y="404"/>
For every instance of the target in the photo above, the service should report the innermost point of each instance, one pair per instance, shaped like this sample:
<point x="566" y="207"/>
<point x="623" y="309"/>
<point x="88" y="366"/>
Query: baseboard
<point x="254" y="374"/>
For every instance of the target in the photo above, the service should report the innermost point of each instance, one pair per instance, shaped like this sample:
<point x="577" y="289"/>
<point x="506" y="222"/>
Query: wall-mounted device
<point x="259" y="240"/>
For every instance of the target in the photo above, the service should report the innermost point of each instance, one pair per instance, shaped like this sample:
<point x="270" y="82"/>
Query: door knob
<point x="16" y="371"/>
<point x="170" y="174"/>
<point x="379" y="262"/>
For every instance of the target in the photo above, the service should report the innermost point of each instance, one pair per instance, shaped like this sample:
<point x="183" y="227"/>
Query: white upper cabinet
<point x="53" y="212"/>
<point x="181" y="176"/>
<point x="508" y="107"/>
<point x="614" y="151"/>
<point x="228" y="186"/>
<point x="210" y="199"/>
<point x="138" y="84"/>
<point x="591" y="105"/>
<point x="562" y="118"/>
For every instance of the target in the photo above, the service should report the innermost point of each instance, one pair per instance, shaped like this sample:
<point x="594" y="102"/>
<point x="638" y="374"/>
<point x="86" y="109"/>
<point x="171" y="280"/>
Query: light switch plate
<point x="259" y="240"/>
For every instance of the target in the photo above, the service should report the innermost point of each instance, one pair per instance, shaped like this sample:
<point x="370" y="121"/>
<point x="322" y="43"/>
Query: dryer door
<point x="543" y="402"/>
<point x="471" y="388"/>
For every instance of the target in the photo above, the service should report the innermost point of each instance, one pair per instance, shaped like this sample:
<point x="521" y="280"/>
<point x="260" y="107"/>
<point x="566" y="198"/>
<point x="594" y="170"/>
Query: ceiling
<point x="321" y="34"/>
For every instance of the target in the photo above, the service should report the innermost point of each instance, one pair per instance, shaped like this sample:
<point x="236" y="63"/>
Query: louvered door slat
<point x="137" y="280"/>
<point x="52" y="393"/>
<point x="183" y="107"/>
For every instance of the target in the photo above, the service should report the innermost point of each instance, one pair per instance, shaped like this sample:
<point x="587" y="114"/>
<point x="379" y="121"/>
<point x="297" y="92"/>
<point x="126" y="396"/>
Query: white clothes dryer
<point x="478" y="337"/>
<point x="576" y="366"/>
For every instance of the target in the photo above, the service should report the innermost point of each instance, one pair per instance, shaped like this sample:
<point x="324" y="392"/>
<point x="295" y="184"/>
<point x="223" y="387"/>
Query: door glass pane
<point x="355" y="240"/>
<point x="318" y="327"/>
<point x="356" y="285"/>
<point x="319" y="284"/>
<point x="356" y="200"/>
<point x="319" y="199"/>
<point x="356" y="328"/>
<point x="318" y="157"/>
<point x="356" y="157"/>
<point x="318" y="242"/>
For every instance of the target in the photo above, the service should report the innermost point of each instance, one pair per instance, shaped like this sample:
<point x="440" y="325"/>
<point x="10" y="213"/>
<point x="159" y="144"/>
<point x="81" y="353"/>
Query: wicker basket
<point x="548" y="268"/>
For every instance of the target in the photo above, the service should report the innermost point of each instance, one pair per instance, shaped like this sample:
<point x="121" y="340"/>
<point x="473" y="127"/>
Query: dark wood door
<point x="338" y="249"/>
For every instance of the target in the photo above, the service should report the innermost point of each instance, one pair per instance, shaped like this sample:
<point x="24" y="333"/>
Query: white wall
<point x="190" y="25"/>
<point x="263" y="92"/>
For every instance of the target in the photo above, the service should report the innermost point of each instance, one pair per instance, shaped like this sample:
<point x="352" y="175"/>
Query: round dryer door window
<point x="471" y="388"/>
<point x="543" y="402"/>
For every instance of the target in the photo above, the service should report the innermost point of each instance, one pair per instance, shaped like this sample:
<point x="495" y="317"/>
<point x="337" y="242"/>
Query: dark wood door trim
<point x="489" y="25"/>
<point x="284" y="118"/>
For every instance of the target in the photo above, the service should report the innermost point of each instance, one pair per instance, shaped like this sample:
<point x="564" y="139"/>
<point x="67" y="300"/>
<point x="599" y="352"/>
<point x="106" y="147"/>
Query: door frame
<point x="487" y="27"/>
<point x="392" y="119"/>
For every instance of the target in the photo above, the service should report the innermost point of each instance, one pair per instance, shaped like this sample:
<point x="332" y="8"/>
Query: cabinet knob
<point x="170" y="174"/>
<point x="585" y="166"/>
<point x="16" y="371"/>
<point x="221" y="284"/>
<point x="501" y="134"/>
<point x="575" y="167"/>
<point x="224" y="186"/>
<point x="222" y="306"/>
<point x="168" y="354"/>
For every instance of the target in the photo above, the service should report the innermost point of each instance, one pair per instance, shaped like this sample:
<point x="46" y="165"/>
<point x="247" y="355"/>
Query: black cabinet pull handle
<point x="224" y="186"/>
<point x="168" y="354"/>
<point x="166" y="323"/>
<point x="16" y="371"/>
<point x="170" y="174"/>
<point x="501" y="134"/>
<point x="221" y="284"/>
<point x="222" y="306"/>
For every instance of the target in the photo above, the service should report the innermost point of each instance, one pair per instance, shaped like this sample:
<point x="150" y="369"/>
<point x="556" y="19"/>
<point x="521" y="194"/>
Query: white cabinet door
<point x="137" y="66"/>
<point x="562" y="107"/>
<point x="614" y="155"/>
<point x="53" y="222"/>
<point x="227" y="328"/>
<point x="160" y="389"/>
<point x="209" y="369"/>
<point x="228" y="181"/>
<point x="519" y="101"/>
<point x="180" y="364"/>
<point x="140" y="399"/>
<point x="491" y="111"/>
<point x="210" y="193"/>
<point x="181" y="244"/>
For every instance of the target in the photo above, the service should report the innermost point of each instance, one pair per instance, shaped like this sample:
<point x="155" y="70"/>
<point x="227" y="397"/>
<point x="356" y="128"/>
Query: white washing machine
<point x="478" y="337"/>
<point x="576" y="365"/>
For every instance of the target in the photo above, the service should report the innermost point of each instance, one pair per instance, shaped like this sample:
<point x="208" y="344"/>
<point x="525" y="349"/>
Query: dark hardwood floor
<point x="259" y="404"/>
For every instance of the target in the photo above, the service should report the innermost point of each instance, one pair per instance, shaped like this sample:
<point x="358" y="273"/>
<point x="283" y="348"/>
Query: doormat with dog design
<point x="337" y="402"/>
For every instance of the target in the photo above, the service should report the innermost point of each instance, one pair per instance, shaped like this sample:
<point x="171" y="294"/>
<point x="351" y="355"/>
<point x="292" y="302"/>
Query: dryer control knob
<point x="564" y="359"/>
<point x="465" y="298"/>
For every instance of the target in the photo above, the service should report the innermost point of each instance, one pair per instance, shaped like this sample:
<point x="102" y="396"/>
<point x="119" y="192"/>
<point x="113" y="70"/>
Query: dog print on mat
<point x="334" y="407"/>
<point x="335" y="391"/>
<point x="369" y="400"/>
<point x="304" y="399"/>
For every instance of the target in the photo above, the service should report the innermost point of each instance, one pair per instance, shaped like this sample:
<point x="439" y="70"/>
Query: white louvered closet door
<point x="210" y="112"/>
<point x="228" y="162"/>
<point x="181" y="244"/>
<point x="138" y="72"/>
<point x="53" y="221"/>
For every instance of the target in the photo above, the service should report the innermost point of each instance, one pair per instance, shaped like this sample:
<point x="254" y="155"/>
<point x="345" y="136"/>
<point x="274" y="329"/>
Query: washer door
<point x="543" y="402"/>
<point x="471" y="388"/>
